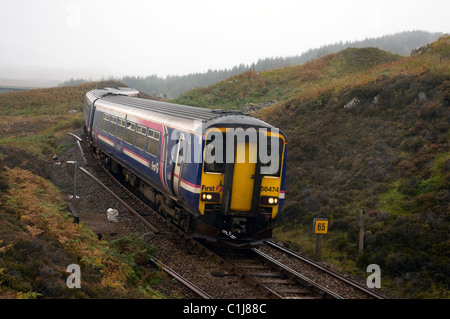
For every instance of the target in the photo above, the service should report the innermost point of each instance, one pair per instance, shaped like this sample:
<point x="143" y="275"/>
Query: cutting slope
<point x="370" y="131"/>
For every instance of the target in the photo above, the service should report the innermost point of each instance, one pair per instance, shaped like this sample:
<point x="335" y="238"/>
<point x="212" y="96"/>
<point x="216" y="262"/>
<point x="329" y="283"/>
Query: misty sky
<point x="178" y="37"/>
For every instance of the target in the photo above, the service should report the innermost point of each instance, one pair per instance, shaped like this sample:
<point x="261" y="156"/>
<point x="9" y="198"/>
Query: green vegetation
<point x="172" y="86"/>
<point x="38" y="238"/>
<point x="307" y="81"/>
<point x="366" y="130"/>
<point x="32" y="121"/>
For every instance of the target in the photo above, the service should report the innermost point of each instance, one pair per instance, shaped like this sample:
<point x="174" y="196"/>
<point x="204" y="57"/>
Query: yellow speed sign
<point x="320" y="226"/>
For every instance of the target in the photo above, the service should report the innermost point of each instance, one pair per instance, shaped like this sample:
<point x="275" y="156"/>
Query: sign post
<point x="320" y="227"/>
<point x="361" y="230"/>
<point x="72" y="167"/>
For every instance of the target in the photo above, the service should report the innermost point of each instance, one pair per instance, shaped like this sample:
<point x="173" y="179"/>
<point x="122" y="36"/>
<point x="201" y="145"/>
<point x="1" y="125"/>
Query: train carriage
<point x="219" y="175"/>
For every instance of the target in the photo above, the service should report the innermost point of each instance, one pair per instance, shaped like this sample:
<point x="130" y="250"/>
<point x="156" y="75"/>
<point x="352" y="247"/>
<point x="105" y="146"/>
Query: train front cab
<point x="88" y="113"/>
<point x="240" y="197"/>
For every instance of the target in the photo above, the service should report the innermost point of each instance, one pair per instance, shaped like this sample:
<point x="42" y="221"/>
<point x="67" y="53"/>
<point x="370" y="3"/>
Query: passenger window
<point x="141" y="132"/>
<point x="112" y="126"/>
<point x="153" y="138"/>
<point x="98" y="120"/>
<point x="120" y="128"/>
<point x="105" y="123"/>
<point x="86" y="110"/>
<point x="129" y="136"/>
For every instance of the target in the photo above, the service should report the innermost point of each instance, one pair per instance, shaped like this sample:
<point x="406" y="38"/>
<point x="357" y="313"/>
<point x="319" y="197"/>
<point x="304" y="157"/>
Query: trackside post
<point x="320" y="227"/>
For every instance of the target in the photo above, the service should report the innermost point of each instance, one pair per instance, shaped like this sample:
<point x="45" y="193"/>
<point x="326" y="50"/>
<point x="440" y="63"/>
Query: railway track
<point x="281" y="280"/>
<point x="290" y="275"/>
<point x="143" y="210"/>
<point x="347" y="287"/>
<point x="277" y="282"/>
<point x="196" y="290"/>
<point x="253" y="274"/>
<point x="178" y="254"/>
<point x="163" y="228"/>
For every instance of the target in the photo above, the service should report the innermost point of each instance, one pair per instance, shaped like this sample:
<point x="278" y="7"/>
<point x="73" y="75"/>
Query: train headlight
<point x="210" y="197"/>
<point x="269" y="200"/>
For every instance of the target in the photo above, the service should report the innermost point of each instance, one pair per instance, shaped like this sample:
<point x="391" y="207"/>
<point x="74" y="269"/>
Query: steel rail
<point x="233" y="269"/>
<point x="324" y="269"/>
<point x="165" y="268"/>
<point x="128" y="207"/>
<point x="299" y="277"/>
<point x="171" y="272"/>
<point x="181" y="279"/>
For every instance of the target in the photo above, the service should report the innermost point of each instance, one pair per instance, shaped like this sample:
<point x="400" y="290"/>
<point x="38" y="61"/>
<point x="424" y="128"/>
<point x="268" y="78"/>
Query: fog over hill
<point x="47" y="76"/>
<point x="41" y="76"/>
<point x="400" y="43"/>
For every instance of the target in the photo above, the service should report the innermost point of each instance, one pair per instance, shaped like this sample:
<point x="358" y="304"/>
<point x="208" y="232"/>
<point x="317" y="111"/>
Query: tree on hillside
<point x="174" y="85"/>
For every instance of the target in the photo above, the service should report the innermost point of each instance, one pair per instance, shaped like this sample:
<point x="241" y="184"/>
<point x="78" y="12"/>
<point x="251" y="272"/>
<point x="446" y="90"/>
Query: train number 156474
<point x="269" y="189"/>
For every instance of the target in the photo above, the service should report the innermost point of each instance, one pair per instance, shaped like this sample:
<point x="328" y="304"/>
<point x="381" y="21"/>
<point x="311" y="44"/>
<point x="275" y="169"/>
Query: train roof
<point x="102" y="92"/>
<point x="185" y="117"/>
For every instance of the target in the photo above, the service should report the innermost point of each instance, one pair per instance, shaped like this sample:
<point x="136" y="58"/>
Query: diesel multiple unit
<point x="218" y="174"/>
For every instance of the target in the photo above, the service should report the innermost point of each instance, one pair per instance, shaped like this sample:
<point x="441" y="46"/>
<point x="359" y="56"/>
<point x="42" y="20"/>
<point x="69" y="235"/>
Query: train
<point x="217" y="174"/>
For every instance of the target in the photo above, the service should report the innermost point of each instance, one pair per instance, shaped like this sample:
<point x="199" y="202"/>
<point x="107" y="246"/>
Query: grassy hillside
<point x="32" y="121"/>
<point x="366" y="130"/>
<point x="400" y="43"/>
<point x="300" y="81"/>
<point x="38" y="238"/>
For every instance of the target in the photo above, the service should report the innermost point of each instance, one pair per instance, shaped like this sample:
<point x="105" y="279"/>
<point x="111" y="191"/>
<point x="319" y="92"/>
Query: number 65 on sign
<point x="320" y="226"/>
